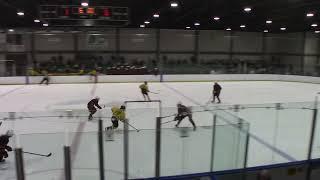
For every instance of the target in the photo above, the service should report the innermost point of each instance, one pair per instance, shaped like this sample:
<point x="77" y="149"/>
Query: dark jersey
<point x="217" y="88"/>
<point x="93" y="102"/>
<point x="4" y="140"/>
<point x="183" y="110"/>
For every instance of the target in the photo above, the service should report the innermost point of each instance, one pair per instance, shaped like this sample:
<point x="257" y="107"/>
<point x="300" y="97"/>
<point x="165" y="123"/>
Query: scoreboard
<point x="70" y="15"/>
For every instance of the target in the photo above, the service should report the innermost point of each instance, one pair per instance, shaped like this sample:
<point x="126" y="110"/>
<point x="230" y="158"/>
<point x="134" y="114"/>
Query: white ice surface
<point x="35" y="100"/>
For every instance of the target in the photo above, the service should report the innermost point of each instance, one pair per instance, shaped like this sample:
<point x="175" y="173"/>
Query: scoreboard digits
<point x="87" y="13"/>
<point x="72" y="15"/>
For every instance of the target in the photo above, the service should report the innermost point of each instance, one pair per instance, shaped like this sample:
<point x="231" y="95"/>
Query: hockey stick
<point x="153" y="92"/>
<point x="168" y="122"/>
<point x="131" y="126"/>
<point x="169" y="116"/>
<point x="45" y="155"/>
<point x="176" y="114"/>
<point x="210" y="99"/>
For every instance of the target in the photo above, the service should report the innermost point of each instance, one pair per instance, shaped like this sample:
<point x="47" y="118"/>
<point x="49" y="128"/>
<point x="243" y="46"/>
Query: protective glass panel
<point x="230" y="141"/>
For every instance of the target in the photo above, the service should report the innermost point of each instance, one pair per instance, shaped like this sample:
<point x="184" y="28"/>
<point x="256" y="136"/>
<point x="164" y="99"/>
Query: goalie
<point x="118" y="114"/>
<point x="183" y="112"/>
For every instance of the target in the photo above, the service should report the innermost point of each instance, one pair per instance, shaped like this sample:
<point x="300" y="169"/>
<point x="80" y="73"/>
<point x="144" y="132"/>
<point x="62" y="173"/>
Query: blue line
<point x="280" y="152"/>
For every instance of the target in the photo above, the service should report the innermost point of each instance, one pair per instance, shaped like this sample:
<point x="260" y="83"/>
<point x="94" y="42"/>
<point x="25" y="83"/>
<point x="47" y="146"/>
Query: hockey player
<point x="4" y="148"/>
<point x="92" y="106"/>
<point x="216" y="92"/>
<point x="145" y="90"/>
<point x="118" y="114"/>
<point x="45" y="77"/>
<point x="183" y="112"/>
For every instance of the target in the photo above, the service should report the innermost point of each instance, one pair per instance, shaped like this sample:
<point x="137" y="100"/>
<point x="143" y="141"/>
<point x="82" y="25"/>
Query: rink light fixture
<point x="266" y="31"/>
<point x="20" y="13"/>
<point x="228" y="29"/>
<point x="216" y="18"/>
<point x="283" y="29"/>
<point x="84" y="4"/>
<point x="156" y="15"/>
<point x="147" y="22"/>
<point x="242" y="26"/>
<point x="268" y="21"/>
<point x="314" y="25"/>
<point x="11" y="30"/>
<point x="36" y="20"/>
<point x="317" y="32"/>
<point x="310" y="15"/>
<point x="247" y="9"/>
<point x="188" y="27"/>
<point x="174" y="4"/>
<point x="142" y="26"/>
<point x="45" y="24"/>
<point x="197" y="24"/>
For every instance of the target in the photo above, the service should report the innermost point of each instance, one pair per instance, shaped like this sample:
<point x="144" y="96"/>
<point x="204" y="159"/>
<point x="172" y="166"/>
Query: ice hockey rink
<point x="46" y="134"/>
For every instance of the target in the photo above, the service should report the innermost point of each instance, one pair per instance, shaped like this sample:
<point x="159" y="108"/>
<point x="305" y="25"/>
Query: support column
<point x="302" y="58"/>
<point x="264" y="46"/>
<point x="158" y="58"/>
<point x="311" y="140"/>
<point x="67" y="163"/>
<point x="245" y="163"/>
<point x="33" y="56"/>
<point x="318" y="56"/>
<point x="101" y="151"/>
<point x="246" y="153"/>
<point x="117" y="43"/>
<point x="231" y="45"/>
<point x="318" y="53"/>
<point x="126" y="149"/>
<point x="75" y="37"/>
<point x="196" y="45"/>
<point x="19" y="164"/>
<point x="213" y="142"/>
<point x="158" y="148"/>
<point x="231" y="34"/>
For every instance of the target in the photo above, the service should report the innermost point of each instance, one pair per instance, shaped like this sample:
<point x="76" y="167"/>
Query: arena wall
<point x="20" y="80"/>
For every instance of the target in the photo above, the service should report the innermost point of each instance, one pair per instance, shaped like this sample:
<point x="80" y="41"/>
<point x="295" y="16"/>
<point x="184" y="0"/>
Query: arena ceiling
<point x="290" y="14"/>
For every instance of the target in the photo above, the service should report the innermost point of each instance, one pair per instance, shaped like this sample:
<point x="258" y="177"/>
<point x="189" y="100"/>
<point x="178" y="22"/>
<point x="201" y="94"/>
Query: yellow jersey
<point x="118" y="113"/>
<point x="93" y="72"/>
<point x="32" y="72"/>
<point x="81" y="71"/>
<point x="144" y="88"/>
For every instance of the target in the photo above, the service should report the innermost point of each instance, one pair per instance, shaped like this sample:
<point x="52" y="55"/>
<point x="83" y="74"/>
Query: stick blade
<point x="49" y="154"/>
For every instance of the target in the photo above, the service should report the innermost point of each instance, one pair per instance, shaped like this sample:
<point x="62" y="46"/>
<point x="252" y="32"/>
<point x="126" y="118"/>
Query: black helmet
<point x="123" y="107"/>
